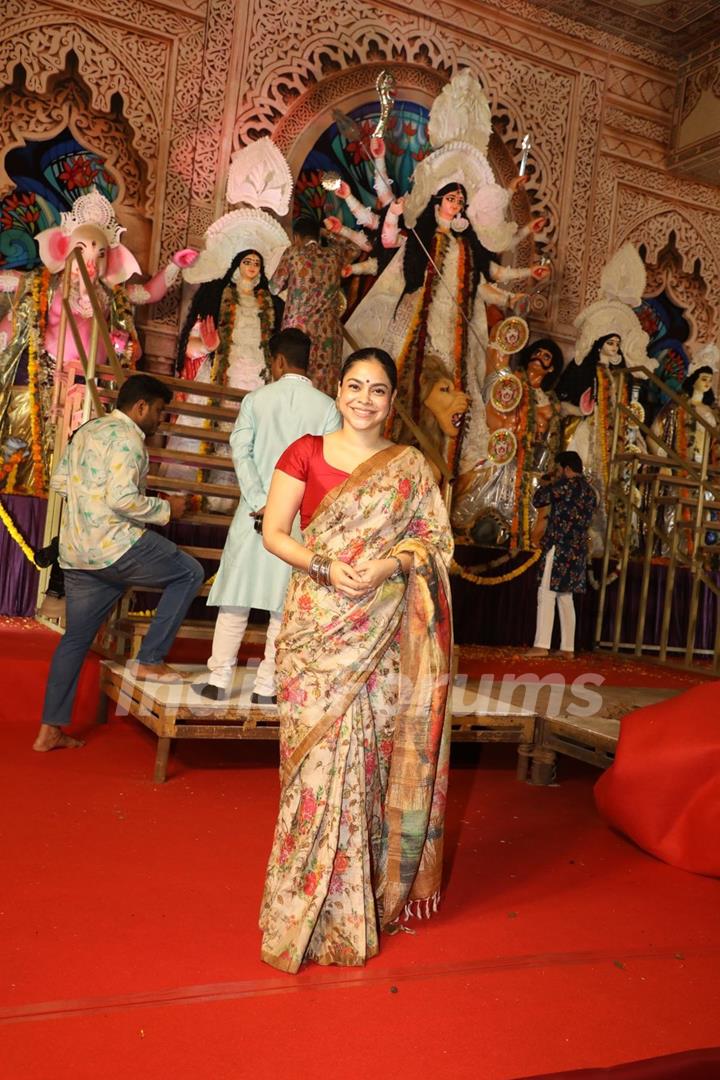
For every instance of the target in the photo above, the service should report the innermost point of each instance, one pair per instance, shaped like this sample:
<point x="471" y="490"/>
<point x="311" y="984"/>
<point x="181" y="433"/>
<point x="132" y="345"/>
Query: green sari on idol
<point x="364" y="692"/>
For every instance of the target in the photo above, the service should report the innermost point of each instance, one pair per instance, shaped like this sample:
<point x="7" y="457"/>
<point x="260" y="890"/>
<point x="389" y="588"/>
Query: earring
<point x="459" y="224"/>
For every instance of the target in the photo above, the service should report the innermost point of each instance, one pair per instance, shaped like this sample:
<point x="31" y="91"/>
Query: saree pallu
<point x="364" y="701"/>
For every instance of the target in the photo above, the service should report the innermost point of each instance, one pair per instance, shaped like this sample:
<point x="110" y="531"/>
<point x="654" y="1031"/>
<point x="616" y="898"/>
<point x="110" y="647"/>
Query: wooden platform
<point x="588" y="738"/>
<point x="177" y="712"/>
<point x="543" y="718"/>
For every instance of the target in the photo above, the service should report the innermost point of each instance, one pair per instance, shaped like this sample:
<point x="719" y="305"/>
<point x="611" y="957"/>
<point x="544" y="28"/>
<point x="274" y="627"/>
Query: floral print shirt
<point x="572" y="503"/>
<point x="102" y="476"/>
<point x="311" y="275"/>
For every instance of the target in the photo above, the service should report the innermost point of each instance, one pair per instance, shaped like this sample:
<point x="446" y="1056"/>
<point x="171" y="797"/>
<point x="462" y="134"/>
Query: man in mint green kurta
<point x="249" y="576"/>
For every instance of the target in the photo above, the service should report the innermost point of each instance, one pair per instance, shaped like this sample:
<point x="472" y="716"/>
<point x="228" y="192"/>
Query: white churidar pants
<point x="227" y="639"/>
<point x="546" y="611"/>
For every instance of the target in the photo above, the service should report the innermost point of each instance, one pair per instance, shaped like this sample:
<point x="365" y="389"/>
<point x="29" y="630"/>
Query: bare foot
<point x="52" y="737"/>
<point x="161" y="673"/>
<point x="566" y="654"/>
<point x="537" y="651"/>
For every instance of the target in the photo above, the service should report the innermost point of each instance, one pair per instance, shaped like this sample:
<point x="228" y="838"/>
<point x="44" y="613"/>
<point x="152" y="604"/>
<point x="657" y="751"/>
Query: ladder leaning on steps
<point x="210" y="422"/>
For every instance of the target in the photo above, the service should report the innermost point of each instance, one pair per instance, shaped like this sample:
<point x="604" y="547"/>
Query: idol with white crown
<point x="233" y="314"/>
<point x="30" y="332"/>
<point x="428" y="308"/>
<point x="610" y="350"/>
<point x="683" y="431"/>
<point x="687" y="431"/>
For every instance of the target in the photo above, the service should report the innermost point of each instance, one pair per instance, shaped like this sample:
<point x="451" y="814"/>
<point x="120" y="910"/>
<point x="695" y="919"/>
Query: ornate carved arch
<point x="301" y="64"/>
<point x="310" y="113"/>
<point x="687" y="275"/>
<point x="66" y="104"/>
<point x="109" y="63"/>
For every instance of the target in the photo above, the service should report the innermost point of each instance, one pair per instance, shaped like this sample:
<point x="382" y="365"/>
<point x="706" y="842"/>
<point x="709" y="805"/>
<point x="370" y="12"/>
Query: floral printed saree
<point x="364" y="697"/>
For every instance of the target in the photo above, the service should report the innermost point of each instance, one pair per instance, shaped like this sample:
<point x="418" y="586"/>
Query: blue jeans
<point x="91" y="594"/>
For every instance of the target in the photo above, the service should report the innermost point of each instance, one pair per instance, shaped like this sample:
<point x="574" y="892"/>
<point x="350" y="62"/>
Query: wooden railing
<point x="650" y="490"/>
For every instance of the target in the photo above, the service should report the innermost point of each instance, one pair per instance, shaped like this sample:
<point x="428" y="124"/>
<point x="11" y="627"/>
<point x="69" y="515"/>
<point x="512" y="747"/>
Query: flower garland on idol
<point x="462" y="305"/>
<point x="520" y="528"/>
<point x="218" y="372"/>
<point x="412" y="353"/>
<point x="605" y="419"/>
<point x="228" y="310"/>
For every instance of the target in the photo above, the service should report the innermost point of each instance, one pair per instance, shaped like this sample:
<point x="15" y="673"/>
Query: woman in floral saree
<point x="363" y="671"/>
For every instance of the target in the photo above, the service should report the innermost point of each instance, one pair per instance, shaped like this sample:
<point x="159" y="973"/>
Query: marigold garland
<point x="122" y="317"/>
<point x="520" y="528"/>
<point x="455" y="568"/>
<point x="17" y="535"/>
<point x="36" y="336"/>
<point x="218" y="373"/>
<point x="412" y="352"/>
<point x="682" y="445"/>
<point x="9" y="470"/>
<point x="463" y="305"/>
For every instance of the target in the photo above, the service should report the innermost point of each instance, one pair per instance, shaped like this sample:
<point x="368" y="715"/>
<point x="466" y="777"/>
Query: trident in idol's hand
<point x="526" y="147"/>
<point x="385" y="86"/>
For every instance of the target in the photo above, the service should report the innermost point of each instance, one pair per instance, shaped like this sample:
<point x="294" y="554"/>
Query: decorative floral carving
<point x="111" y="61"/>
<point x="633" y="85"/>
<point x="620" y="120"/>
<point x="705" y="78"/>
<point x="647" y="206"/>
<point x="30" y="116"/>
<point x="578" y="212"/>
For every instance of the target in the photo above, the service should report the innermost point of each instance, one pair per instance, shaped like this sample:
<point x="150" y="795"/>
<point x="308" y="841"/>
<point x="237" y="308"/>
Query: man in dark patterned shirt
<point x="572" y="501"/>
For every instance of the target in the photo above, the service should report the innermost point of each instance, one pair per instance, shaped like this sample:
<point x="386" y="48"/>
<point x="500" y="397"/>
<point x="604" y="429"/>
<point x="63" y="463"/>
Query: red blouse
<point x="304" y="459"/>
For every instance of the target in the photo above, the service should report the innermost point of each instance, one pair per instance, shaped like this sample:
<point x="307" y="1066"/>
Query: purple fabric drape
<point x="18" y="577"/>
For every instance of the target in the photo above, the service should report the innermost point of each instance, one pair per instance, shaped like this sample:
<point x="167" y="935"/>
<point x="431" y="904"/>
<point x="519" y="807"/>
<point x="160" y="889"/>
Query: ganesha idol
<point x="30" y="332"/>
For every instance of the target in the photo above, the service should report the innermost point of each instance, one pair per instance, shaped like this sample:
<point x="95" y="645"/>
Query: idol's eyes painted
<point x="84" y="244"/>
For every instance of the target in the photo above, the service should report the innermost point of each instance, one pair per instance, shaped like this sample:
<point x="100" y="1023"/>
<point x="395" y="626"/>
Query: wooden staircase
<point x="124" y="632"/>
<point x="76" y="398"/>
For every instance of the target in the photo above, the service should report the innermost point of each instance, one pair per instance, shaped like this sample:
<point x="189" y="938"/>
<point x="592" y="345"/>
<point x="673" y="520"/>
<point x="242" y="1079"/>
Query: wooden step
<point x="185" y="386"/>
<point x="194" y="487"/>
<point x="186" y="457"/>
<point x="662" y="462"/>
<point x="208" y="518"/>
<point x="202" y="591"/>
<point x="191" y="628"/>
<point x="186" y="408"/>
<point x="676" y="480"/>
<point x="183" y="431"/>
<point x="214" y="554"/>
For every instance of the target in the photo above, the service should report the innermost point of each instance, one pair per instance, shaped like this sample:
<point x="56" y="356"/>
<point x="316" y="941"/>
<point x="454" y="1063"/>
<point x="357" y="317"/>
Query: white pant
<point x="546" y="612"/>
<point x="227" y="639"/>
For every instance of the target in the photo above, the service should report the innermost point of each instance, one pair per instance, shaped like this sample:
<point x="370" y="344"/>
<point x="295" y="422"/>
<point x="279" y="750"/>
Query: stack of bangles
<point x="399" y="573"/>
<point x="319" y="569"/>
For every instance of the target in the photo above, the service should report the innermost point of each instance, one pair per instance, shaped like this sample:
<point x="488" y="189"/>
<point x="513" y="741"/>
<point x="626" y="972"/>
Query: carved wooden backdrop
<point x="193" y="79"/>
<point x="165" y="66"/>
<point x="599" y="110"/>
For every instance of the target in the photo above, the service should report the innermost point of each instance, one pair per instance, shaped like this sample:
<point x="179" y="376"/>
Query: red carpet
<point x="130" y="947"/>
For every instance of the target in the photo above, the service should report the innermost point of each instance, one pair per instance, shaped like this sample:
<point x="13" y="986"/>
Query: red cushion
<point x="663" y="790"/>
